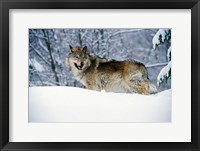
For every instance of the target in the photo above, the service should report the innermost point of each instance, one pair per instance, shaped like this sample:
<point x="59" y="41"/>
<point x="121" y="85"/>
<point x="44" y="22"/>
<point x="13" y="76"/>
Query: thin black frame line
<point x="194" y="74"/>
<point x="5" y="5"/>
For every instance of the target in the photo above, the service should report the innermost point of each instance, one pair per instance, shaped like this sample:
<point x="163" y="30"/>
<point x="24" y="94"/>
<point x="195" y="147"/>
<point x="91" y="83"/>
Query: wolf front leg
<point x="92" y="86"/>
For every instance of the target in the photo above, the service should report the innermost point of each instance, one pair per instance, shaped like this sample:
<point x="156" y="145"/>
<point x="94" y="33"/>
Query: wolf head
<point x="79" y="58"/>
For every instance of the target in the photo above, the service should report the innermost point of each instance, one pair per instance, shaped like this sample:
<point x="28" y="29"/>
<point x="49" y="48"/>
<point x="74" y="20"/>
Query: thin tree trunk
<point x="80" y="39"/>
<point x="53" y="65"/>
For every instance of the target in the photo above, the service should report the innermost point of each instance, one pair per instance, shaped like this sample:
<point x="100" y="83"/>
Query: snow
<point x="156" y="39"/>
<point x="169" y="53"/>
<point x="71" y="104"/>
<point x="164" y="72"/>
<point x="37" y="65"/>
<point x="42" y="45"/>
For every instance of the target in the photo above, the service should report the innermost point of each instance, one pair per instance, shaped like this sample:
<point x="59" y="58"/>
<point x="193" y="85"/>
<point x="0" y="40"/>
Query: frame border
<point x="5" y="5"/>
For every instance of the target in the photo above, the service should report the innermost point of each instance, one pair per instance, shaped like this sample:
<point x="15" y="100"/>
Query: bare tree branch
<point x="40" y="55"/>
<point x="53" y="65"/>
<point x="36" y="71"/>
<point x="123" y="31"/>
<point x="157" y="64"/>
<point x="36" y="35"/>
<point x="41" y="45"/>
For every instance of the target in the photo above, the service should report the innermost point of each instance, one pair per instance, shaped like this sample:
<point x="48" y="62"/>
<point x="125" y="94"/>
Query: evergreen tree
<point x="162" y="36"/>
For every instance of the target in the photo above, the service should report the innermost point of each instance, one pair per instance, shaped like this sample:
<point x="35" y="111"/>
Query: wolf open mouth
<point x="79" y="67"/>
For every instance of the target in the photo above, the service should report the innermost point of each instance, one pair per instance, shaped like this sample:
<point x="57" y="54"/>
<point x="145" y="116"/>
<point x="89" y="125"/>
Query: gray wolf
<point x="98" y="74"/>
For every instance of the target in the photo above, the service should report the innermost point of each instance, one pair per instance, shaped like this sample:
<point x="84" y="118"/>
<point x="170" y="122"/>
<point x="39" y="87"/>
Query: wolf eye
<point x="77" y="57"/>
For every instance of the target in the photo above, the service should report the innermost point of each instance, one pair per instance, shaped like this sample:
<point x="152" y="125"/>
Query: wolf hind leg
<point x="133" y="83"/>
<point x="145" y="87"/>
<point x="152" y="88"/>
<point x="137" y="84"/>
<point x="142" y="87"/>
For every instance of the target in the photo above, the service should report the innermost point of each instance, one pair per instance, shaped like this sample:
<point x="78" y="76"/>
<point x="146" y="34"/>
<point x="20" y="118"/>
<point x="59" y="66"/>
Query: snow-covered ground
<point x="70" y="104"/>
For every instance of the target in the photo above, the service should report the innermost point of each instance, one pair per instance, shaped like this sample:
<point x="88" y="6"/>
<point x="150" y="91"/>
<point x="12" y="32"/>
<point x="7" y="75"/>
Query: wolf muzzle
<point x="79" y="67"/>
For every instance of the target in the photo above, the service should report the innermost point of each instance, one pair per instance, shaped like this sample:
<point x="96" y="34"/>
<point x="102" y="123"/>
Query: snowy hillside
<point x="70" y="104"/>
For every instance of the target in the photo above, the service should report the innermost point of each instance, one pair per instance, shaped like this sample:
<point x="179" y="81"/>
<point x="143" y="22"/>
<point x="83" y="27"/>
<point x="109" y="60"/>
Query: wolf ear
<point x="85" y="48"/>
<point x="71" y="48"/>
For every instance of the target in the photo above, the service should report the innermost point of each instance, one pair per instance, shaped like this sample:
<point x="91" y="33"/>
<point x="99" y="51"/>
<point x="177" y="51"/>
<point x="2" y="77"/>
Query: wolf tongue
<point x="78" y="67"/>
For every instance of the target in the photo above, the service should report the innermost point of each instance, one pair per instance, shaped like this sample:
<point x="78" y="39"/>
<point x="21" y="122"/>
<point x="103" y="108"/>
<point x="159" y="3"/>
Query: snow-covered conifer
<point x="160" y="37"/>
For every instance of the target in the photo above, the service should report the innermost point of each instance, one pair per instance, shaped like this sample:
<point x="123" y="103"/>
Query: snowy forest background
<point x="48" y="49"/>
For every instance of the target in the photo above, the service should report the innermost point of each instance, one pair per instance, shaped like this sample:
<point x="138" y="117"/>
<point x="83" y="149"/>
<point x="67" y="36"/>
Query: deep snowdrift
<point x="70" y="104"/>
